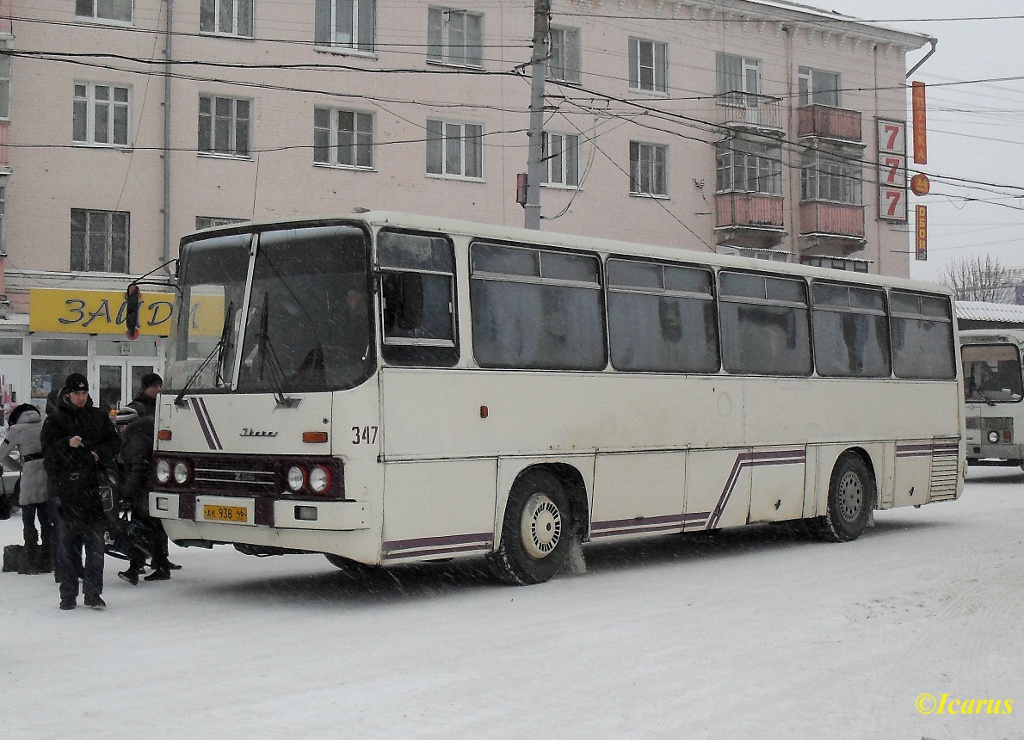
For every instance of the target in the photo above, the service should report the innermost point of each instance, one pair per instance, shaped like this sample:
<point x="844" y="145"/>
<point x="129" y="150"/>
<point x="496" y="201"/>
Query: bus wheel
<point x="851" y="497"/>
<point x="535" y="532"/>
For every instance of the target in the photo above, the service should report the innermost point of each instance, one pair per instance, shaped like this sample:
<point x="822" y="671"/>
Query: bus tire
<point x="851" y="498"/>
<point x="536" y="531"/>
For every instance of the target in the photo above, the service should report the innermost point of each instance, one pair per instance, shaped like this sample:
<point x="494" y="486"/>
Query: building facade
<point x="761" y="128"/>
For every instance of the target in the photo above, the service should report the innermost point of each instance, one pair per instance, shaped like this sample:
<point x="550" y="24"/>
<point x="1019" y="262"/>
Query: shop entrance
<point x="120" y="381"/>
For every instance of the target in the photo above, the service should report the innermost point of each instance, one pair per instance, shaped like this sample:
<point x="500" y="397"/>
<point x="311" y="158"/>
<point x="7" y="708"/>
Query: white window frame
<point x="730" y="85"/>
<point x="5" y="87"/>
<point x="356" y="141"/>
<point x="239" y="9"/>
<point x="357" y="19"/>
<point x="738" y="161"/>
<point x="104" y="229"/>
<point x="810" y="86"/>
<point x="447" y="43"/>
<point x="657" y="69"/>
<point x="102" y="10"/>
<point x="826" y="177"/>
<point x="564" y="54"/>
<point x="234" y="121"/>
<point x="90" y="108"/>
<point x="459" y="143"/>
<point x="561" y="157"/>
<point x="648" y="162"/>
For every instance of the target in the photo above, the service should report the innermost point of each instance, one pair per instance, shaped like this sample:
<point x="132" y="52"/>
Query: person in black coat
<point x="145" y="401"/>
<point x="78" y="440"/>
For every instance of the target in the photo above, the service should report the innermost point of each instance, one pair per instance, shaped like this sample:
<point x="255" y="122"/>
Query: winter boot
<point x="45" y="562"/>
<point x="30" y="555"/>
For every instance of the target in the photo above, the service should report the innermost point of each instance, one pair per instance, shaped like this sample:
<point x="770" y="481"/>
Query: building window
<point x="99" y="241"/>
<point x="5" y="86"/>
<point x="455" y="149"/>
<point x="647" y="169"/>
<point x="748" y="167"/>
<point x="648" y="65"/>
<point x="830" y="177"/>
<point x="455" y="37"/>
<point x="345" y="24"/>
<point x="208" y="222"/>
<point x="818" y="87"/>
<point x="342" y="137"/>
<point x="228" y="17"/>
<point x="108" y="10"/>
<point x="100" y="114"/>
<point x="561" y="157"/>
<point x="224" y="125"/>
<point x="735" y="76"/>
<point x="564" y="55"/>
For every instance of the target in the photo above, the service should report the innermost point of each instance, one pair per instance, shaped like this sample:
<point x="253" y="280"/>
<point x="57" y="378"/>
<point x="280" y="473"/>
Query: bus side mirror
<point x="132" y="303"/>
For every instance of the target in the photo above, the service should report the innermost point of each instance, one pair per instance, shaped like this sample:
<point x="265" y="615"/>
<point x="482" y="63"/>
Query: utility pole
<point x="534" y="163"/>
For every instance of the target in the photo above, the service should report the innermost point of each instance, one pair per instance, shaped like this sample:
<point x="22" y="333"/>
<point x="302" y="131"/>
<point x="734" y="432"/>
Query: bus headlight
<point x="296" y="478"/>
<point x="181" y="473"/>
<point x="319" y="479"/>
<point x="993" y="436"/>
<point x="163" y="471"/>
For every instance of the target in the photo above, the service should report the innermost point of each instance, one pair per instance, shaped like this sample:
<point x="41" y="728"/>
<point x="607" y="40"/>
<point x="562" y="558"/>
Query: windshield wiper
<point x="268" y="358"/>
<point x="217" y="351"/>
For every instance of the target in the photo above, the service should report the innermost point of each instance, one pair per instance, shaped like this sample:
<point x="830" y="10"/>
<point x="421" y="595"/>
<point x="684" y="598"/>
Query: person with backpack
<point x="23" y="435"/>
<point x="78" y="440"/>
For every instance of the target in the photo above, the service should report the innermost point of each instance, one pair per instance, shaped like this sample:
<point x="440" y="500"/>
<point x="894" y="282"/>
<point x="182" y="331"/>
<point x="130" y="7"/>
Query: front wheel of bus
<point x="851" y="497"/>
<point x="535" y="532"/>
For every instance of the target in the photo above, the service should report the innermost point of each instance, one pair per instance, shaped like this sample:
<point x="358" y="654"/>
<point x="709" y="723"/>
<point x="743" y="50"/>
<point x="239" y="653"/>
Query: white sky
<point x="975" y="130"/>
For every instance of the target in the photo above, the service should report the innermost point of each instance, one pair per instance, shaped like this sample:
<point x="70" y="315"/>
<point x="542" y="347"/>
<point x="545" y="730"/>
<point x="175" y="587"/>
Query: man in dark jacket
<point x="78" y="440"/>
<point x="145" y="401"/>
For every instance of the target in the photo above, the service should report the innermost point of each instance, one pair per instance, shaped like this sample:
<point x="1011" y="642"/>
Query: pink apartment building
<point x="760" y="128"/>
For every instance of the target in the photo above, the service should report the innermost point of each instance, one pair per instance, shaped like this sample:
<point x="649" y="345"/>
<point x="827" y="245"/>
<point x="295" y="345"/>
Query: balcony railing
<point x="831" y="219"/>
<point x="749" y="111"/>
<point x="829" y="123"/>
<point x="752" y="210"/>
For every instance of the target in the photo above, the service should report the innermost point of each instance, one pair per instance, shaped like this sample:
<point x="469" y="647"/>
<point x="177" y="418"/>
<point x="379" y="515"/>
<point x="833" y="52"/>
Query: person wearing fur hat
<point x="78" y="440"/>
<point x="26" y="424"/>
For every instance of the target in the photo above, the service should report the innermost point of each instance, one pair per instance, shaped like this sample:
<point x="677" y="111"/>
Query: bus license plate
<point x="225" y="513"/>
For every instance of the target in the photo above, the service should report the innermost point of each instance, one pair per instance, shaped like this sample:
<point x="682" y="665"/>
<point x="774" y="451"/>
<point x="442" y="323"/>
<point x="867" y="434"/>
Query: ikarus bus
<point x="993" y="394"/>
<point x="386" y="388"/>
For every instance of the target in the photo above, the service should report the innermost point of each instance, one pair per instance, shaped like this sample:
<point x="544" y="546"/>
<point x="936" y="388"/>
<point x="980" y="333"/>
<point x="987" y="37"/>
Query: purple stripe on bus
<point x="209" y="420"/>
<point x="639" y="529"/>
<point x="752" y="459"/>
<point x="203" y="423"/>
<point x="413" y="553"/>
<point x="482" y="538"/>
<point x="637" y="522"/>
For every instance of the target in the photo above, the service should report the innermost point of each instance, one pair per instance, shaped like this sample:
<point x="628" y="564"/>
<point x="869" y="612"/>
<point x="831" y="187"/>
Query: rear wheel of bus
<point x="851" y="498"/>
<point x="536" y="530"/>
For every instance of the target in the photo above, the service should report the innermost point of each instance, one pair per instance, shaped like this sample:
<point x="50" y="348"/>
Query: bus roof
<point x="455" y="227"/>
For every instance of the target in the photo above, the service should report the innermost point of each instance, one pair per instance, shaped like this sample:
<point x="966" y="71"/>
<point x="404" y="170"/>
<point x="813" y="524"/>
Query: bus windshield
<point x="307" y="325"/>
<point x="992" y="373"/>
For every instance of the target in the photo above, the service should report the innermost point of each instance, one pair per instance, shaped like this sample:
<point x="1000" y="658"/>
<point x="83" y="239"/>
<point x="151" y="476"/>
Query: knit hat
<point x="150" y="379"/>
<point x="76" y="382"/>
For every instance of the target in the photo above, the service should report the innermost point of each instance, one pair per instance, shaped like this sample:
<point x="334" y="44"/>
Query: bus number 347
<point x="364" y="435"/>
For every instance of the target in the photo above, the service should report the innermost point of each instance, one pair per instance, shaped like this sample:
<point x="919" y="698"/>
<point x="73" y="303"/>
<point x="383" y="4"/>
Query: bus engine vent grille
<point x="945" y="471"/>
<point x="242" y="474"/>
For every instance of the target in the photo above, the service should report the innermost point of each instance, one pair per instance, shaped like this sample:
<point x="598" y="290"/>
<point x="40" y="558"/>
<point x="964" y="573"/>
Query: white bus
<point x="386" y="388"/>
<point x="993" y="395"/>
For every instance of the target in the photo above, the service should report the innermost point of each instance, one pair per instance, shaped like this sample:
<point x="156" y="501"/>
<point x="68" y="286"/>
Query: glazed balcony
<point x="749" y="112"/>
<point x="825" y="122"/>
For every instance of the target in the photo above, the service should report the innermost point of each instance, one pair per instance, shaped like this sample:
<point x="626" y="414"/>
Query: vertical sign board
<point x="892" y="170"/>
<point x="921" y="234"/>
<point x="920" y="123"/>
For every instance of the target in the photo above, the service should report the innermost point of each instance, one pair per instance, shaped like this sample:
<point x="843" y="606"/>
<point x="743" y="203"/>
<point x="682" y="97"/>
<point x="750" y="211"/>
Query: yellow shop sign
<point x="96" y="312"/>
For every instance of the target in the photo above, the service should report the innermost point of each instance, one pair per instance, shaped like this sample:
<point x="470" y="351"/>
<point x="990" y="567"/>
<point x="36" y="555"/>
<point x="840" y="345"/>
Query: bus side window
<point x="417" y="278"/>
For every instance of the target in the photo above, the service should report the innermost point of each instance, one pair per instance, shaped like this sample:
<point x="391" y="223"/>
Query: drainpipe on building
<point x="934" y="43"/>
<point x="166" y="255"/>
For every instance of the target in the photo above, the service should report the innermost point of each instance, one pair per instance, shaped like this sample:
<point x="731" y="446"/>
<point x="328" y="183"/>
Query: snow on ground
<point x="742" y="634"/>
